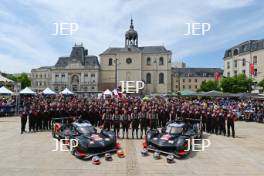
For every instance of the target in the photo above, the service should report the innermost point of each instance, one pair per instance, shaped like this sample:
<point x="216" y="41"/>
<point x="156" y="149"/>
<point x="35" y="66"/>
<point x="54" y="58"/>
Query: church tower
<point x="131" y="37"/>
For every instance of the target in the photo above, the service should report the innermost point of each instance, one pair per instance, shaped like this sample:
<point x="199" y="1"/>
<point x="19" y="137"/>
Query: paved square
<point x="31" y="154"/>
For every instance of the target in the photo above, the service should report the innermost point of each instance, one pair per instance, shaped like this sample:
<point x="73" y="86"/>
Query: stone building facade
<point x="78" y="72"/>
<point x="150" y="64"/>
<point x="237" y="59"/>
<point x="192" y="78"/>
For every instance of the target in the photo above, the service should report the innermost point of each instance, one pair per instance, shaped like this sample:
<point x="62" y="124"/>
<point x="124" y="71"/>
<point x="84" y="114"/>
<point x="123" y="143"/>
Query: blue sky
<point x="26" y="27"/>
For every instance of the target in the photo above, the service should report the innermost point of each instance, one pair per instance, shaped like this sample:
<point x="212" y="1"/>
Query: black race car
<point x="87" y="141"/>
<point x="175" y="139"/>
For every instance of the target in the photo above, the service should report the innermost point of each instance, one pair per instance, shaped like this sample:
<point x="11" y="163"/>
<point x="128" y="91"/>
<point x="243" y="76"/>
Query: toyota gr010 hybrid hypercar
<point x="175" y="139"/>
<point x="87" y="141"/>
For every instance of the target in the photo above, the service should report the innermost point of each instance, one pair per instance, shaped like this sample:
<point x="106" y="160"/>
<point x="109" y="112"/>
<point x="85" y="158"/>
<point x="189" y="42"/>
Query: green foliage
<point x="23" y="79"/>
<point x="209" y="85"/>
<point x="261" y="83"/>
<point x="236" y="84"/>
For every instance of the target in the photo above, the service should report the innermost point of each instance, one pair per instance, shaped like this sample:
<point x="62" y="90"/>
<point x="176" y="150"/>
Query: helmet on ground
<point x="96" y="160"/>
<point x="170" y="159"/>
<point x="156" y="155"/>
<point x="108" y="157"/>
<point x="120" y="153"/>
<point x="144" y="152"/>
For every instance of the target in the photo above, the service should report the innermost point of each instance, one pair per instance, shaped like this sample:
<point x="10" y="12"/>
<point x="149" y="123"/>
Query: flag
<point x="217" y="76"/>
<point x="251" y="68"/>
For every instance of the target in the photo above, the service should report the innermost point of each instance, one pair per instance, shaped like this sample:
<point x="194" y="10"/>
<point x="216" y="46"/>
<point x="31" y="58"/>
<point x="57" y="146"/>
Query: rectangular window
<point x="228" y="65"/>
<point x="244" y="62"/>
<point x="196" y="80"/>
<point x="190" y="80"/>
<point x="235" y="63"/>
<point x="190" y="86"/>
<point x="228" y="74"/>
<point x="196" y="86"/>
<point x="255" y="60"/>
<point x="235" y="73"/>
<point x="244" y="71"/>
<point x="183" y="86"/>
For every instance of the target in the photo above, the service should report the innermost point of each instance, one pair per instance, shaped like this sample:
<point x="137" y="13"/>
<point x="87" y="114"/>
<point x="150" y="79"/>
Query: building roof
<point x="143" y="49"/>
<point x="85" y="61"/>
<point x="196" y="72"/>
<point x="244" y="47"/>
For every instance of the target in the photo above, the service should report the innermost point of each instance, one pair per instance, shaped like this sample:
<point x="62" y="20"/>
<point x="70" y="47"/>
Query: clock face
<point x="128" y="60"/>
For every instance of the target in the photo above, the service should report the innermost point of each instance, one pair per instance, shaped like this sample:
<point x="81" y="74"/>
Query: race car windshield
<point x="86" y="130"/>
<point x="174" y="130"/>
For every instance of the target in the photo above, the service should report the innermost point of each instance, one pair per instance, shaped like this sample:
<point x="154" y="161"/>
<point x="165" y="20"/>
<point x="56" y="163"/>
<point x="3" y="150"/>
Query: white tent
<point x="66" y="91"/>
<point x="5" y="91"/>
<point x="48" y="91"/>
<point x="27" y="91"/>
<point x="4" y="79"/>
<point x="107" y="92"/>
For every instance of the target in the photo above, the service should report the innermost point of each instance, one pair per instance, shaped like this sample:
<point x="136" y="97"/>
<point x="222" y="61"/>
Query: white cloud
<point x="26" y="30"/>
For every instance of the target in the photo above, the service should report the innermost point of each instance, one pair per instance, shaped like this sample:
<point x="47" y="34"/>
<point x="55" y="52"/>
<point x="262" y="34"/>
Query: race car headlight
<point x="107" y="139"/>
<point x="91" y="142"/>
<point x="171" y="141"/>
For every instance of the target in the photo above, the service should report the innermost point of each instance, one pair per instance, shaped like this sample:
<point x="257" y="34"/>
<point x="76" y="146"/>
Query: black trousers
<point x="222" y="127"/>
<point x="23" y="124"/>
<point x="230" y="124"/>
<point x="107" y="125"/>
<point x="125" y="127"/>
<point x="116" y="129"/>
<point x="143" y="129"/>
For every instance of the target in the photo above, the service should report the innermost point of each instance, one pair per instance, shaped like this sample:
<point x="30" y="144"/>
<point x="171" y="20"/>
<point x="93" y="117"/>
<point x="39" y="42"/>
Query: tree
<point x="22" y="78"/>
<point x="261" y="83"/>
<point x="236" y="84"/>
<point x="209" y="85"/>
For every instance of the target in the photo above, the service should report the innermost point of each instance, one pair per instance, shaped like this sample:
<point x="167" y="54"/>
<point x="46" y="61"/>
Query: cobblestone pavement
<point x="31" y="154"/>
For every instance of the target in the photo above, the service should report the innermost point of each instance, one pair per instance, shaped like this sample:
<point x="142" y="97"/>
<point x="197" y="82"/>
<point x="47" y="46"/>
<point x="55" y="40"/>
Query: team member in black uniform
<point x="107" y="117"/>
<point x="135" y="122"/>
<point x="153" y="119"/>
<point x="31" y="120"/>
<point x="143" y="122"/>
<point x="125" y="120"/>
<point x="23" y="121"/>
<point x="116" y="122"/>
<point x="222" y="124"/>
<point x="231" y="124"/>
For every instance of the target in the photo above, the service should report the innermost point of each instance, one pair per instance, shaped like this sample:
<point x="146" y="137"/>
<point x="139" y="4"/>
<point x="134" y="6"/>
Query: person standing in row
<point x="23" y="117"/>
<point x="135" y="122"/>
<point x="125" y="120"/>
<point x="116" y="122"/>
<point x="143" y="122"/>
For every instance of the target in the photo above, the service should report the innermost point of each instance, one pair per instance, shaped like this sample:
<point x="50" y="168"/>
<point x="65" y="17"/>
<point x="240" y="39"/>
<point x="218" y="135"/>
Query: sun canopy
<point x="107" y="92"/>
<point x="66" y="91"/>
<point x="213" y="93"/>
<point x="187" y="93"/>
<point x="27" y="91"/>
<point x="48" y="91"/>
<point x="5" y="91"/>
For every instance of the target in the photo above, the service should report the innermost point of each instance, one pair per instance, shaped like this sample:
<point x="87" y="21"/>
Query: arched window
<point x="161" y="61"/>
<point x="110" y="61"/>
<point x="161" y="78"/>
<point x="235" y="52"/>
<point x="148" y="61"/>
<point x="148" y="78"/>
